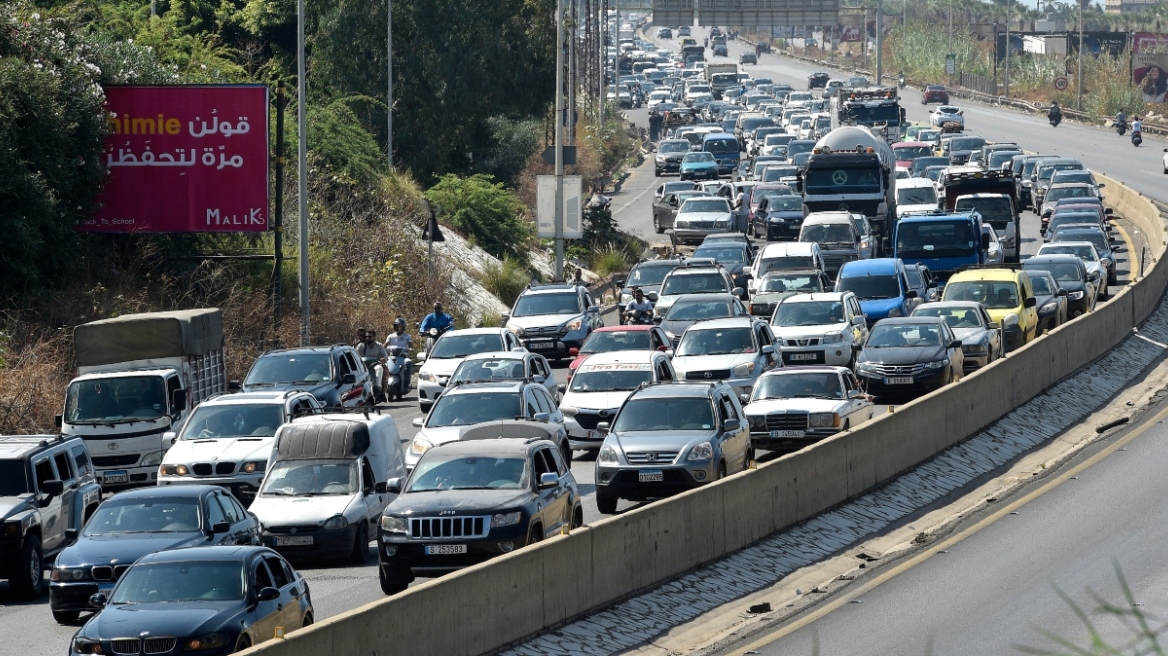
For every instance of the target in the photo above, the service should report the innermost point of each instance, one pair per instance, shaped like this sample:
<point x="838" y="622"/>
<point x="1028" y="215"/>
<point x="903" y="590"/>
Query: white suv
<point x="600" y="386"/>
<point x="736" y="350"/>
<point x="822" y="328"/>
<point x="449" y="352"/>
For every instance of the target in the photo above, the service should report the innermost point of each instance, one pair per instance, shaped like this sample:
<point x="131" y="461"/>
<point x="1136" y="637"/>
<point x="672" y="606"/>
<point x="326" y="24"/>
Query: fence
<point x="979" y="83"/>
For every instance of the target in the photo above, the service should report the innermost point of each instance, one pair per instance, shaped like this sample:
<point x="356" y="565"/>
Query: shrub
<point x="488" y="211"/>
<point x="506" y="280"/>
<point x="609" y="261"/>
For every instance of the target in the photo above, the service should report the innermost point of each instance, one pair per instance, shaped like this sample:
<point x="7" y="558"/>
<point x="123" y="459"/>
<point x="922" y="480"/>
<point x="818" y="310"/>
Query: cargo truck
<point x="876" y="108"/>
<point x="138" y="375"/>
<point x="722" y="78"/>
<point x="992" y="194"/>
<point x="944" y="241"/>
<point x="852" y="170"/>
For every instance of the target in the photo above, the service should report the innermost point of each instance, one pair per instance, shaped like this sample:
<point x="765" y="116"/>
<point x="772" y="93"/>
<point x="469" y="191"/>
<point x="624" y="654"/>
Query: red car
<point x="907" y="151"/>
<point x="619" y="338"/>
<point x="935" y="93"/>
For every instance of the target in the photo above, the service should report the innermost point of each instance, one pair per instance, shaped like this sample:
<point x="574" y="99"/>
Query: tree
<point x="484" y="210"/>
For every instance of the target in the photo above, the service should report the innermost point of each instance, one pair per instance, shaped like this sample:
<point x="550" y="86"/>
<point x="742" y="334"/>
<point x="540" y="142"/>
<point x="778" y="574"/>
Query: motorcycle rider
<point x="371" y="348"/>
<point x="900" y="79"/>
<point x="400" y="338"/>
<point x="436" y="319"/>
<point x="1055" y="114"/>
<point x="1121" y="120"/>
<point x="638" y="304"/>
<point x="1137" y="127"/>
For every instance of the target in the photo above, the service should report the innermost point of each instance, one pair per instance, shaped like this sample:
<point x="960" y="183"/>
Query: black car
<point x="468" y="501"/>
<point x="204" y="600"/>
<point x="139" y="522"/>
<point x="1072" y="276"/>
<point x="778" y="217"/>
<point x="335" y="375"/>
<point x="733" y="256"/>
<point x="748" y="58"/>
<point x="817" y="80"/>
<point x="648" y="275"/>
<point x="917" y="170"/>
<point x="910" y="355"/>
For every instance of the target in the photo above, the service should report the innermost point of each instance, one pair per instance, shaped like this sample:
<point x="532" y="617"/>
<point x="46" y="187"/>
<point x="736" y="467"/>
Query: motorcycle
<point x="376" y="375"/>
<point x="901" y="81"/>
<point x="1055" y="120"/>
<point x="397" y="370"/>
<point x="1121" y="127"/>
<point x="1137" y="139"/>
<point x="639" y="318"/>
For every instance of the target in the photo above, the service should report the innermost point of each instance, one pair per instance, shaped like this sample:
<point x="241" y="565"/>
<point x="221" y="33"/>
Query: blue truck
<point x="724" y="146"/>
<point x="944" y="241"/>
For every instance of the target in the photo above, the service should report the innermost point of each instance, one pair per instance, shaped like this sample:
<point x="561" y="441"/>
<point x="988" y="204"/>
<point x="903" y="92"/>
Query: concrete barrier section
<point x="495" y="604"/>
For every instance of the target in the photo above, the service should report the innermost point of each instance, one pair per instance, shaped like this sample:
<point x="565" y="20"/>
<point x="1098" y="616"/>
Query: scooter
<point x="1137" y="139"/>
<point x="1055" y="120"/>
<point x="900" y="81"/>
<point x="639" y="318"/>
<point x="1121" y="127"/>
<point x="376" y="374"/>
<point x="398" y="373"/>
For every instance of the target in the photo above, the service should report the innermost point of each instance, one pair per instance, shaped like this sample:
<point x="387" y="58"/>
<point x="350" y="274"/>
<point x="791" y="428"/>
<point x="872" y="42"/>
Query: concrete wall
<point x="486" y="607"/>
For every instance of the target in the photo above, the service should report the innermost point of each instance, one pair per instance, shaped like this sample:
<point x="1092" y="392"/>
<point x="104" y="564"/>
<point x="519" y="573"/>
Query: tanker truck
<point x="853" y="170"/>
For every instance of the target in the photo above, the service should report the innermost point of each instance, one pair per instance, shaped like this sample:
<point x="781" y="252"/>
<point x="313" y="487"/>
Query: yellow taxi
<point x="1007" y="296"/>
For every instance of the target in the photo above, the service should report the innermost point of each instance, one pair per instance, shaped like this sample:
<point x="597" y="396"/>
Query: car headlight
<point x="254" y="467"/>
<point x="569" y="411"/>
<point x="661" y="159"/>
<point x="151" y="460"/>
<point x="703" y="451"/>
<point x="1074" y="296"/>
<point x="660" y="310"/>
<point x="334" y="523"/>
<point x="87" y="646"/>
<point x="1048" y="308"/>
<point x="831" y="338"/>
<point x="506" y="519"/>
<point x="937" y="364"/>
<point x="420" y="445"/>
<point x="1010" y="320"/>
<point x="175" y="470"/>
<point x="391" y="524"/>
<point x="67" y="574"/>
<point x="574" y="324"/>
<point x="823" y="420"/>
<point x="607" y="455"/>
<point x="723" y="219"/>
<point x="895" y="312"/>
<point x="516" y="330"/>
<point x="209" y="641"/>
<point x="428" y="377"/>
<point x="744" y="369"/>
<point x="865" y="366"/>
<point x="973" y="349"/>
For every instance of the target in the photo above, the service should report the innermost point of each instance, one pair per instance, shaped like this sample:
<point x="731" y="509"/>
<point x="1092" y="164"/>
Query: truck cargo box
<point x="149" y="336"/>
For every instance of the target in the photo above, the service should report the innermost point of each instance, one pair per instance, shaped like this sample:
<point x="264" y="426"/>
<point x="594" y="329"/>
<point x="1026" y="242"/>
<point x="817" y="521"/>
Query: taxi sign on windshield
<point x="617" y="367"/>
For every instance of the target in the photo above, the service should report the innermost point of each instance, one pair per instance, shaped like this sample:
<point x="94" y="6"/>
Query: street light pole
<point x="302" y="188"/>
<point x="950" y="53"/>
<point x="1079" y="102"/>
<point x="559" y="214"/>
<point x="879" y="42"/>
<point x="1009" y="6"/>
<point x="389" y="73"/>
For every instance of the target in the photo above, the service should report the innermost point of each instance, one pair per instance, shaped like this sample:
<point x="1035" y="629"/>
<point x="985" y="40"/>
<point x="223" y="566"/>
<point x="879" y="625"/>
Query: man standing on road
<point x="740" y="210"/>
<point x="654" y="125"/>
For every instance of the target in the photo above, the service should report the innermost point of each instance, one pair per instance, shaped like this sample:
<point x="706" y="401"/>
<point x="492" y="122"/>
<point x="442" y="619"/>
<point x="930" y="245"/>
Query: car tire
<point x="657" y="226"/>
<point x="396" y="584"/>
<point x="606" y="503"/>
<point x="66" y="616"/>
<point x="657" y="172"/>
<point x="243" y="643"/>
<point x="721" y="473"/>
<point x="535" y="535"/>
<point x="307" y="621"/>
<point x="360" y="545"/>
<point x="577" y="518"/>
<point x="28" y="578"/>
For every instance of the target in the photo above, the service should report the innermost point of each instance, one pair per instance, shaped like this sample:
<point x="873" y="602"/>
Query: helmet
<point x="399" y="324"/>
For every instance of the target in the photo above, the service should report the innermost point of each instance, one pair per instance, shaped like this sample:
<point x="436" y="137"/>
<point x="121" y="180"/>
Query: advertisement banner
<point x="185" y="159"/>
<point x="1148" y="75"/>
<point x="1149" y="42"/>
<point x="1097" y="43"/>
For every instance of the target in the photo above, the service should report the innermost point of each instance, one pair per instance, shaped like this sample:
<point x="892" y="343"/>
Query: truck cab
<point x="992" y="194"/>
<point x="943" y="241"/>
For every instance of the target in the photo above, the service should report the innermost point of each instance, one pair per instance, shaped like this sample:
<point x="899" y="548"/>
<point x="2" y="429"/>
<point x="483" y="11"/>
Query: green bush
<point x="506" y="281"/>
<point x="486" y="210"/>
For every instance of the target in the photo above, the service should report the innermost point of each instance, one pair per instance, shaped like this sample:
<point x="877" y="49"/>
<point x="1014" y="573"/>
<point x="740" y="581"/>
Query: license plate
<point x="593" y="435"/>
<point x="651" y="476"/>
<point x="788" y="433"/>
<point x="115" y="476"/>
<point x="899" y="380"/>
<point x="293" y="540"/>
<point x="445" y="549"/>
<point x="541" y="346"/>
<point x="803" y="356"/>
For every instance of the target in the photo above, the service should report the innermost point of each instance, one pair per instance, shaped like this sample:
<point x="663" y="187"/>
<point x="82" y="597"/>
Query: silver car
<point x="981" y="338"/>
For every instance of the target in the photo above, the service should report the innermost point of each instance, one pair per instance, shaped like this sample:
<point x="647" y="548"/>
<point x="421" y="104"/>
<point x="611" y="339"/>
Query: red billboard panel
<point x="185" y="159"/>
<point x="1148" y="42"/>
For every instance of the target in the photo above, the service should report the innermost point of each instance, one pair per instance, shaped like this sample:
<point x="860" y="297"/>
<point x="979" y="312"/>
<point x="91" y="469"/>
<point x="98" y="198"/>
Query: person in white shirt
<point x="638" y="304"/>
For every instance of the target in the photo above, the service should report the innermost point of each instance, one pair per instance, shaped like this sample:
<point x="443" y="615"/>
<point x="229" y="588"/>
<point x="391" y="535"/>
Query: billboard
<point x="1148" y="75"/>
<point x="1096" y="43"/>
<point x="673" y="12"/>
<point x="768" y="12"/>
<point x="1149" y="42"/>
<point x="185" y="159"/>
<point x="545" y="206"/>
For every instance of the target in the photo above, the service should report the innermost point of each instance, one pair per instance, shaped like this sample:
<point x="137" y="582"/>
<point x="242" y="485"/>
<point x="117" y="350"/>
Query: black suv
<point x="469" y="501"/>
<point x="335" y="375"/>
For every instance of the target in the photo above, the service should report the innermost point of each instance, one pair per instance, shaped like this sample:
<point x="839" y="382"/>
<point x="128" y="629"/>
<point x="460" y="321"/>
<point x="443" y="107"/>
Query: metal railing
<point x="979" y="83"/>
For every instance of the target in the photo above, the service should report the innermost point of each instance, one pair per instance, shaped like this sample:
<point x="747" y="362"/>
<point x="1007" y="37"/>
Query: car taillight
<point x="354" y="393"/>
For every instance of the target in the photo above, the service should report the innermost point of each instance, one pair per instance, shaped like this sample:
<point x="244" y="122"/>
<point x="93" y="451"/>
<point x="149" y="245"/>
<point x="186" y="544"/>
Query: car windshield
<point x="994" y="294"/>
<point x="695" y="205"/>
<point x="610" y="377"/>
<point x="788" y="262"/>
<point x="145" y="515"/>
<point x="966" y="143"/>
<point x="928" y="135"/>
<point x="867" y="113"/>
<point x="934" y="172"/>
<point x="468" y="473"/>
<point x="935" y="239"/>
<point x="116" y="400"/>
<point x="904" y="334"/>
<point x="721" y="146"/>
<point x="1067" y="192"/>
<point x="868" y="288"/>
<point x="160" y="583"/>
<point x="916" y="196"/>
<point x="310" y="478"/>
<point x="829" y="234"/>
<point x="809" y="313"/>
<point x="1041" y="285"/>
<point x="1072" y="176"/>
<point x="625" y="340"/>
<point x="488" y="370"/>
<point x="13" y="478"/>
<point x="455" y="345"/>
<point x="998" y="210"/>
<point x="699" y="283"/>
<point x="912" y="152"/>
<point x="664" y="414"/>
<point x="716" y="341"/>
<point x="466" y="409"/>
<point x="277" y="368"/>
<point x="674" y="147"/>
<point x="783" y="202"/>
<point x="843" y="180"/>
<point x="722" y="254"/>
<point x="698" y="157"/>
<point x="1094" y="236"/>
<point x="799" y="147"/>
<point x="1083" y="252"/>
<point x="535" y="304"/>
<point x="776" y="173"/>
<point x="699" y="311"/>
<point x="955" y="316"/>
<point x="797" y="282"/>
<point x="678" y="186"/>
<point x="233" y="420"/>
<point x="819" y="385"/>
<point x="1001" y="157"/>
<point x="1062" y="271"/>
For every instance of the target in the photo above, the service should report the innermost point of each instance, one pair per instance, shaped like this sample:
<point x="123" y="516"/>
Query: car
<point x="832" y="88"/>
<point x="335" y="375"/>
<point x="720" y="50"/>
<point x="1022" y="179"/>
<point x="601" y="385"/>
<point x="836" y="235"/>
<point x="1044" y="172"/>
<point x="664" y="33"/>
<point x="1056" y="192"/>
<point x="689" y="309"/>
<point x="881" y="286"/>
<point x="665" y="188"/>
<point x="668" y="438"/>
<point x="693" y="278"/>
<point x="552" y="319"/>
<point x="620" y="338"/>
<point x="698" y="165"/>
<point x="920" y="279"/>
<point x="469" y="501"/>
<point x="1000" y="213"/>
<point x="1000" y="159"/>
<point x="818" y="80"/>
<point x="733" y="256"/>
<point x="786" y="256"/>
<point x="777" y="215"/>
<point x="935" y="93"/>
<point x="1052" y="300"/>
<point x="47" y="492"/>
<point x="465" y="405"/>
<point x="917" y="170"/>
<point x="665" y="210"/>
<point x="736" y="350"/>
<point x="670" y="152"/>
<point x="216" y="600"/>
<point x="797" y="406"/>
<point x="826" y="328"/>
<point x="1084" y="250"/>
<point x="910" y="355"/>
<point x="981" y="338"/>
<point x="1091" y="233"/>
<point x="136" y="523"/>
<point x="1081" y="176"/>
<point x="1078" y="217"/>
<point x="448" y="353"/>
<point x="747" y="58"/>
<point x="1007" y="296"/>
<point x="906" y="152"/>
<point x="684" y="30"/>
<point x="698" y="217"/>
<point x="227" y="440"/>
<point x="506" y="366"/>
<point x="778" y="285"/>
<point x="946" y="114"/>
<point x="1071" y="274"/>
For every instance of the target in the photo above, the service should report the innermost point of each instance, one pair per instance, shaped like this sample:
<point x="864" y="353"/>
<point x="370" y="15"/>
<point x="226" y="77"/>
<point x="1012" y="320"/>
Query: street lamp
<point x="1079" y="102"/>
<point x="302" y="188"/>
<point x="389" y="74"/>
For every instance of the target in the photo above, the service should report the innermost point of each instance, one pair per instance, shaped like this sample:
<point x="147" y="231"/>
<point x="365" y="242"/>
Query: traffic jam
<point x="826" y="256"/>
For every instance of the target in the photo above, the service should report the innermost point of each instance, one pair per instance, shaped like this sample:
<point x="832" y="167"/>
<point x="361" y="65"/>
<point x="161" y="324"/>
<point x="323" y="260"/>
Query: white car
<point x="698" y="217"/>
<point x="506" y="365"/>
<point x="600" y="386"/>
<point x="228" y="440"/>
<point x="736" y="350"/>
<point x="448" y="353"/>
<point x="915" y="195"/>
<point x="785" y="256"/>
<point x="824" y="328"/>
<point x="946" y="114"/>
<point x="796" y="406"/>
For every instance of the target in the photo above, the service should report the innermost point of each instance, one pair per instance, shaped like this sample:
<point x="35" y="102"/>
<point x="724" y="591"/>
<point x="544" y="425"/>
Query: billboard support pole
<point x="560" y="137"/>
<point x="278" y="231"/>
<point x="879" y="42"/>
<point x="1009" y="7"/>
<point x="1079" y="102"/>
<point x="302" y="187"/>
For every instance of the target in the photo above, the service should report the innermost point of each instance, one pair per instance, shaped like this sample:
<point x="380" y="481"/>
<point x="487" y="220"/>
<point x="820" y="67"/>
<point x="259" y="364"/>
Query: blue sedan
<point x="699" y="165"/>
<point x="209" y="600"/>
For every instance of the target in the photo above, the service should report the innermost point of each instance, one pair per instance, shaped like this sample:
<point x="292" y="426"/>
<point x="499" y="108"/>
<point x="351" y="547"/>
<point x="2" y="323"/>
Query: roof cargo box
<point x="322" y="440"/>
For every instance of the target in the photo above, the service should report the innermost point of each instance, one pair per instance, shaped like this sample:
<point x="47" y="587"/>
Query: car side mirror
<point x="178" y="400"/>
<point x="1061" y="292"/>
<point x="744" y="399"/>
<point x="955" y="344"/>
<point x="985" y="241"/>
<point x="1030" y="302"/>
<point x="170" y="437"/>
<point x="731" y="425"/>
<point x="504" y="318"/>
<point x="71" y="534"/>
<point x="858" y="320"/>
<point x="739" y="292"/>
<point x="669" y="353"/>
<point x="348" y="379"/>
<point x="548" y="479"/>
<point x="768" y="350"/>
<point x="855" y="394"/>
<point x="912" y="293"/>
<point x="561" y="388"/>
<point x="54" y="487"/>
<point x="379" y="487"/>
<point x="393" y="485"/>
<point x="58" y="420"/>
<point x="619" y="281"/>
<point x="221" y="527"/>
<point x="234" y="386"/>
<point x="994" y="325"/>
<point x="542" y="416"/>
<point x="1108" y="211"/>
<point x="595" y="309"/>
<point x="1101" y="185"/>
<point x="539" y="378"/>
<point x="268" y="594"/>
<point x="417" y="422"/>
<point x="603" y="427"/>
<point x="652" y="296"/>
<point x="98" y="600"/>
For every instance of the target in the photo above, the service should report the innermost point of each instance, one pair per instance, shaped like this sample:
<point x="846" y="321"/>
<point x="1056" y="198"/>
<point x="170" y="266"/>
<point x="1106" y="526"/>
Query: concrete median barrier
<point x="487" y="607"/>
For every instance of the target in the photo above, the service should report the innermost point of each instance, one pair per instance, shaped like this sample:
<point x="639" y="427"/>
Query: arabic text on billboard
<point x="768" y="12"/>
<point x="1148" y="75"/>
<point x="185" y="159"/>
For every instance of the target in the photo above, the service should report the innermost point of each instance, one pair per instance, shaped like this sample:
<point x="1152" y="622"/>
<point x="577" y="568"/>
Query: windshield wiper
<point x="276" y="493"/>
<point x="260" y="384"/>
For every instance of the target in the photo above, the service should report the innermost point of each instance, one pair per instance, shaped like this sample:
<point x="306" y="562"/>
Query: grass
<point x="506" y="280"/>
<point x="609" y="261"/>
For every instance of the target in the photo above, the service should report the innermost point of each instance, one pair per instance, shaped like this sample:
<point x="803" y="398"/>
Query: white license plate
<point x="899" y="380"/>
<point x="803" y="356"/>
<point x="116" y="476"/>
<point x="445" y="549"/>
<point x="293" y="540"/>
<point x="788" y="433"/>
<point x="542" y="346"/>
<point x="651" y="476"/>
<point x="593" y="435"/>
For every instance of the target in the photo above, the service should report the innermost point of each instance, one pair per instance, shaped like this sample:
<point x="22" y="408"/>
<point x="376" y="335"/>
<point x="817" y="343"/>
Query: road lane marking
<point x="1131" y="252"/>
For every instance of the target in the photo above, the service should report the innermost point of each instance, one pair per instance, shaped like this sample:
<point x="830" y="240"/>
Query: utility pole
<point x="559" y="139"/>
<point x="879" y="42"/>
<point x="864" y="39"/>
<point x="602" y="83"/>
<point x="302" y="188"/>
<point x="1079" y="103"/>
<point x="1009" y="6"/>
<point x="389" y="75"/>
<point x="572" y="71"/>
<point x="951" y="41"/>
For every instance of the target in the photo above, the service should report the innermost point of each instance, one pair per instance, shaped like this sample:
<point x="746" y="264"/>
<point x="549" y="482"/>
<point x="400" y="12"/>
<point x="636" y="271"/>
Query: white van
<point x="790" y="255"/>
<point x="325" y="485"/>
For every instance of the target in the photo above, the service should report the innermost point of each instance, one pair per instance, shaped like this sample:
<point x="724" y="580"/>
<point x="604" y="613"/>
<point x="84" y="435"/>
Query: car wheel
<point x="307" y="621"/>
<point x="657" y="172"/>
<point x="360" y="545"/>
<point x="536" y="535"/>
<point x="577" y="517"/>
<point x="605" y="503"/>
<point x="657" y="226"/>
<point x="244" y="643"/>
<point x="721" y="472"/>
<point x="66" y="616"/>
<point x="28" y="578"/>
<point x="392" y="585"/>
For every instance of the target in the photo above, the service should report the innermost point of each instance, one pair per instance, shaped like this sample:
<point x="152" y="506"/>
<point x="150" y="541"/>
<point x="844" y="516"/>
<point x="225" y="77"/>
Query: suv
<point x="648" y="275"/>
<point x="47" y="491"/>
<point x="335" y="375"/>
<point x="228" y="440"/>
<point x="825" y="328"/>
<point x="737" y="350"/>
<point x="836" y="235"/>
<point x="470" y="501"/>
<point x="668" y="438"/>
<point x="551" y="319"/>
<point x="693" y="278"/>
<point x="882" y="287"/>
